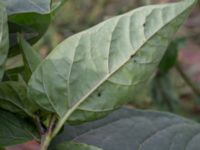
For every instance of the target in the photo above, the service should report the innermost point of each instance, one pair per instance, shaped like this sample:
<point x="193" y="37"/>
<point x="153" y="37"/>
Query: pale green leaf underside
<point x="98" y="70"/>
<point x="4" y="41"/>
<point x="14" y="130"/>
<point x="13" y="97"/>
<point x="75" y="146"/>
<point x="27" y="6"/>
<point x="129" y="129"/>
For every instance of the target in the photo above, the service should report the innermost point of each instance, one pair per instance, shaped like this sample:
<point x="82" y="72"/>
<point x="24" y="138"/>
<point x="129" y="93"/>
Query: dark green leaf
<point x="129" y="129"/>
<point x="4" y="41"/>
<point x="163" y="92"/>
<point x="13" y="74"/>
<point x="30" y="17"/>
<point x="14" y="130"/>
<point x="13" y="97"/>
<point x="170" y="57"/>
<point x="31" y="25"/>
<point x="31" y="58"/>
<point x="75" y="146"/>
<point x="96" y="71"/>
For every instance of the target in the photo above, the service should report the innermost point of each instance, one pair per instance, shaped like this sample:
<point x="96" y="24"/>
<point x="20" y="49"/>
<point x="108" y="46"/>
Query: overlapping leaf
<point x="98" y="70"/>
<point x="21" y="6"/>
<point x="4" y="41"/>
<point x="30" y="17"/>
<point x="13" y="97"/>
<point x="129" y="129"/>
<point x="31" y="58"/>
<point x="14" y="130"/>
<point x="75" y="146"/>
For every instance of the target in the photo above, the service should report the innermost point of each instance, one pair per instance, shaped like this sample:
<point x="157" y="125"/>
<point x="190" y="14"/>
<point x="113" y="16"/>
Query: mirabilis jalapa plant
<point x="85" y="78"/>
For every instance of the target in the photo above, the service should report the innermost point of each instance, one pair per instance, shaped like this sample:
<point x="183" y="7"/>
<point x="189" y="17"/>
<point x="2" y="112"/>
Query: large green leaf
<point x="4" y="41"/>
<point x="129" y="129"/>
<point x="13" y="97"/>
<point x="98" y="70"/>
<point x="14" y="130"/>
<point x="75" y="146"/>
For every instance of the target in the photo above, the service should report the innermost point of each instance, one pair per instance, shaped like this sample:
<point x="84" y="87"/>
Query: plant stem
<point x="39" y="125"/>
<point x="195" y="89"/>
<point x="46" y="142"/>
<point x="47" y="137"/>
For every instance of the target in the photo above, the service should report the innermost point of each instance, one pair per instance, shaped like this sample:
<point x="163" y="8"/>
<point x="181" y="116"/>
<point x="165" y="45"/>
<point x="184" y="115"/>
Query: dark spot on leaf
<point x="99" y="94"/>
<point x="144" y="24"/>
<point x="132" y="55"/>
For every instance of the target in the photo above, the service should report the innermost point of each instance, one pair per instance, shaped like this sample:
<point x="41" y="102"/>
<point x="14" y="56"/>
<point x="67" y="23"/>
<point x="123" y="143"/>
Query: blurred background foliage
<point x="176" y="84"/>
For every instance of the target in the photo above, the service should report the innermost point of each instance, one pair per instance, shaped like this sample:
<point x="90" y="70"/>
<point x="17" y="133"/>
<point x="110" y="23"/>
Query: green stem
<point x="195" y="89"/>
<point x="47" y="137"/>
<point x="62" y="122"/>
<point x="46" y="142"/>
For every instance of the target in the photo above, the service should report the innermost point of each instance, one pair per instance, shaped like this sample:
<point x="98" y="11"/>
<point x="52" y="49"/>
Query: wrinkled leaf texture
<point x="94" y="72"/>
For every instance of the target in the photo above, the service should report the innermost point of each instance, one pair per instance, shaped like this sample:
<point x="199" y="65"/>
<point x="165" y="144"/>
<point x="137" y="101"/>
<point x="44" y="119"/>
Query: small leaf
<point x="170" y="57"/>
<point x="129" y="129"/>
<point x="31" y="58"/>
<point x="75" y="146"/>
<point x="13" y="97"/>
<point x="163" y="92"/>
<point x="96" y="71"/>
<point x="14" y="130"/>
<point x="4" y="41"/>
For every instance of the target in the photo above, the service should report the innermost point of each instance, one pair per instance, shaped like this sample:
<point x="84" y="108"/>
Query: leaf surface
<point x="24" y="6"/>
<point x="31" y="58"/>
<point x="30" y="17"/>
<point x="129" y="129"/>
<point x="14" y="130"/>
<point x="13" y="97"/>
<point x="4" y="41"/>
<point x="94" y="72"/>
<point x="75" y="146"/>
